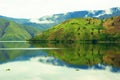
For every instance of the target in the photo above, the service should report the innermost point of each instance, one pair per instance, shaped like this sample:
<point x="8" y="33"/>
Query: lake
<point x="42" y="61"/>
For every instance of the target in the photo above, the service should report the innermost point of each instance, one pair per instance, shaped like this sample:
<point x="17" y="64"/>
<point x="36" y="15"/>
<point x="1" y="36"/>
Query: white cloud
<point x="35" y="20"/>
<point x="38" y="8"/>
<point x="108" y="11"/>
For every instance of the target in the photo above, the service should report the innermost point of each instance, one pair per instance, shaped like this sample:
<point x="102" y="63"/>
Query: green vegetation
<point x="83" y="29"/>
<point x="10" y="30"/>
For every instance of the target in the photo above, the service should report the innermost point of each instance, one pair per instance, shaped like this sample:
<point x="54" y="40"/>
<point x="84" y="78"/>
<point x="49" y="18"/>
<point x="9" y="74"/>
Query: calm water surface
<point x="24" y="61"/>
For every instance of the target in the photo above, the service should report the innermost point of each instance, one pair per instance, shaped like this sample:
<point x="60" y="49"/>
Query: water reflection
<point x="79" y="55"/>
<point x="32" y="70"/>
<point x="71" y="61"/>
<point x="86" y="54"/>
<point x="6" y="55"/>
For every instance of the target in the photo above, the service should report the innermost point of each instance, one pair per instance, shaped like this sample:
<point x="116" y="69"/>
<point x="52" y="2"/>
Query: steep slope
<point x="84" y="29"/>
<point x="12" y="31"/>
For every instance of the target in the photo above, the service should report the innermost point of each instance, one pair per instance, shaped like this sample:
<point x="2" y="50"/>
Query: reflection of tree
<point x="112" y="59"/>
<point x="87" y="54"/>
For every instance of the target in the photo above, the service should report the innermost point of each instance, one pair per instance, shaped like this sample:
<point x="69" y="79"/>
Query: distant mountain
<point x="10" y="31"/>
<point x="83" y="29"/>
<point x="45" y="22"/>
<point x="17" y="20"/>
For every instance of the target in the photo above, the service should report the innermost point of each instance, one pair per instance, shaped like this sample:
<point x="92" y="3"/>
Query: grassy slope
<point x="12" y="31"/>
<point x="83" y="29"/>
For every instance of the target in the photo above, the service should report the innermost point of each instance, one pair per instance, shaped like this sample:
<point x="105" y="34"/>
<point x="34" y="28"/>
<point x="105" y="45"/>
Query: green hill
<point x="83" y="29"/>
<point x="10" y="31"/>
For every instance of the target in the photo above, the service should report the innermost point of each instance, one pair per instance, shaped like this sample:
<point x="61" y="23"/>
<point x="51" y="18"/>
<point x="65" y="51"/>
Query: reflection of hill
<point x="6" y="55"/>
<point x="86" y="54"/>
<point x="15" y="44"/>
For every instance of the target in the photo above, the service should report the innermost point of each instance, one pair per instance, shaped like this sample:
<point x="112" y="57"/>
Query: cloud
<point x="34" y="20"/>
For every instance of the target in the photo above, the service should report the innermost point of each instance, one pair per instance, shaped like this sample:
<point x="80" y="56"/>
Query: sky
<point x="39" y="8"/>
